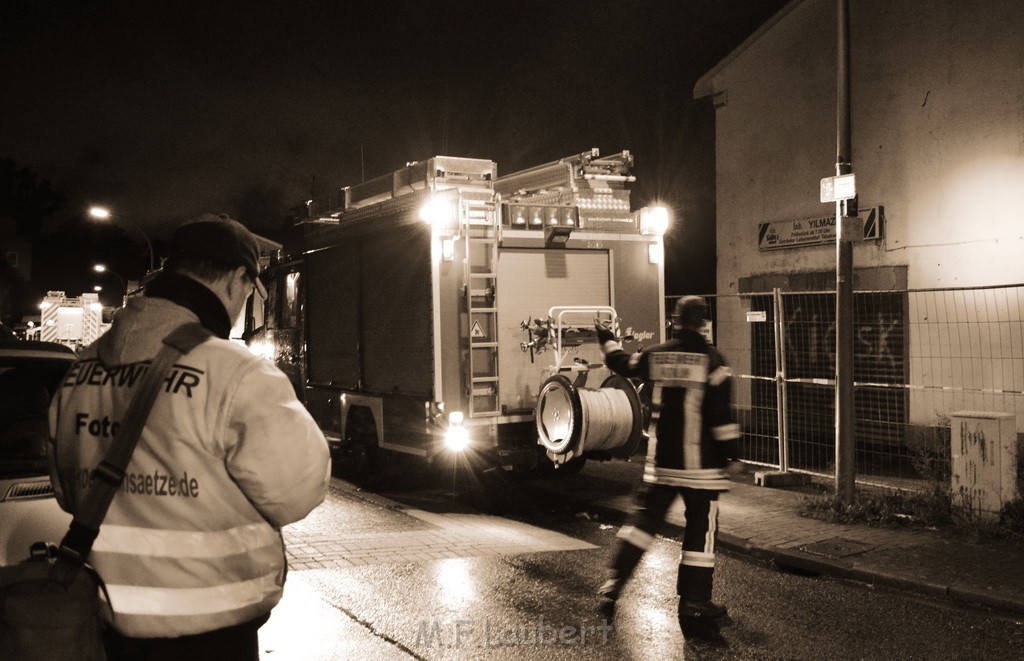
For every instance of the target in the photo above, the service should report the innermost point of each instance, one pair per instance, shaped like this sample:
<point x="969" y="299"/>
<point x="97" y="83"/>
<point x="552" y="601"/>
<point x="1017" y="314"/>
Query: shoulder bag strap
<point x="106" y="479"/>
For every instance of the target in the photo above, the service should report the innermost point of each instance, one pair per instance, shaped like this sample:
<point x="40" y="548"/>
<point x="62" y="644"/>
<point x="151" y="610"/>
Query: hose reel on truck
<point x="573" y="420"/>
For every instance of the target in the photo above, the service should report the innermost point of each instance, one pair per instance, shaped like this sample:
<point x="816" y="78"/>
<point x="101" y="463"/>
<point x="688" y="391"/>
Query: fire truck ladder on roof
<point x="481" y="268"/>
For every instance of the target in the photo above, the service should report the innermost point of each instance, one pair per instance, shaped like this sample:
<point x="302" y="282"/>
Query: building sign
<point x="782" y="234"/>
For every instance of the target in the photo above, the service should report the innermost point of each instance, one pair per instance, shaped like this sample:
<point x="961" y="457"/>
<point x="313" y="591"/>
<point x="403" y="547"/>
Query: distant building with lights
<point x="937" y="115"/>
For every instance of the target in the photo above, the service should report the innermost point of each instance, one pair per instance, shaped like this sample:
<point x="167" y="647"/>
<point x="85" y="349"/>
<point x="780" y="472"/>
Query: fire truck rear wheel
<point x="362" y="460"/>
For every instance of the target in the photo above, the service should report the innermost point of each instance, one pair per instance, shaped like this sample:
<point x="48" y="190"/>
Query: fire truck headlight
<point x="456" y="438"/>
<point x="654" y="220"/>
<point x="262" y="349"/>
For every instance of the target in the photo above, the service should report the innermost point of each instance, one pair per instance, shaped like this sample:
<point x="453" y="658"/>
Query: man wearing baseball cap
<point x="191" y="551"/>
<point x="216" y="245"/>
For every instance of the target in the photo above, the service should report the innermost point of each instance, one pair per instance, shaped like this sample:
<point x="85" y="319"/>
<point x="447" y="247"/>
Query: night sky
<point x="164" y="110"/>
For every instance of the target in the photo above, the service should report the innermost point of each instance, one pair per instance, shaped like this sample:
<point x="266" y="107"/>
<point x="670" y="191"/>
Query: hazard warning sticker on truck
<point x="477" y="330"/>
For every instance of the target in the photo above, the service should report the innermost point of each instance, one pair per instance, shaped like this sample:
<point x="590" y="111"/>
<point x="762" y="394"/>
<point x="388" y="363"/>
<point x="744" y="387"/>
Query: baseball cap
<point x="220" y="240"/>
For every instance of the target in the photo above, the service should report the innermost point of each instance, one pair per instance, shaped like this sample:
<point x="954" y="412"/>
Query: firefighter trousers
<point x="697" y="559"/>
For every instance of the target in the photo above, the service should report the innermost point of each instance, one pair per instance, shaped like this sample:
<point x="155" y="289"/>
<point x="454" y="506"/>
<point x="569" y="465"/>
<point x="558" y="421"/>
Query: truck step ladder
<point x="481" y="268"/>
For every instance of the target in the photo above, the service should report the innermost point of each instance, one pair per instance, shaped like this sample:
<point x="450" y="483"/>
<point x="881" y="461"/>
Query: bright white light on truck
<point x="518" y="216"/>
<point x="456" y="438"/>
<point x="656" y="253"/>
<point x="654" y="221"/>
<point x="439" y="212"/>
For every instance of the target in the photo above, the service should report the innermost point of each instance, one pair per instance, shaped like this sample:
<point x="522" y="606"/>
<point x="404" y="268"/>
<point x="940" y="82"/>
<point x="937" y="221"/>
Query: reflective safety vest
<point x="164" y="583"/>
<point x="697" y="433"/>
<point x="192" y="541"/>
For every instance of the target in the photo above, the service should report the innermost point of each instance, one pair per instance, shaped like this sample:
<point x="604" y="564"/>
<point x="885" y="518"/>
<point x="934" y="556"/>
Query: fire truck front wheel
<point x="361" y="459"/>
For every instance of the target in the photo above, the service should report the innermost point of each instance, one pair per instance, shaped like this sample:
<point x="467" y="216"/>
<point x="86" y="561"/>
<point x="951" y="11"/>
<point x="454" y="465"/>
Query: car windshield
<point x="29" y="375"/>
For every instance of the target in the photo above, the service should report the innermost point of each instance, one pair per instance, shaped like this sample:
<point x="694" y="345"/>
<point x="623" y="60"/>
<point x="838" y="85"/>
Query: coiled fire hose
<point x="572" y="421"/>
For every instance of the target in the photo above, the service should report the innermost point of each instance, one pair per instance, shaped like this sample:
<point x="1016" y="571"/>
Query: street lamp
<point x="102" y="268"/>
<point x="103" y="213"/>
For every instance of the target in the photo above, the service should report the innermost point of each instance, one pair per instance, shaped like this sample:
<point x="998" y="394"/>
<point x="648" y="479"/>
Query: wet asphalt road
<point x="437" y="578"/>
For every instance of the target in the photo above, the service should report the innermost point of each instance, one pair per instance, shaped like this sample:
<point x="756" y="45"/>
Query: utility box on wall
<point x="984" y="460"/>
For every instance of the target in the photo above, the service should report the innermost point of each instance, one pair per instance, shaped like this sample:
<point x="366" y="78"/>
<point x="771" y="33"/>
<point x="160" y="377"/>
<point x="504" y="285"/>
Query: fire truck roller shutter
<point x="530" y="282"/>
<point x="572" y="421"/>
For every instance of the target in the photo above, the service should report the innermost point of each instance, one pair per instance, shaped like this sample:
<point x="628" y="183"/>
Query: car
<point x="30" y="373"/>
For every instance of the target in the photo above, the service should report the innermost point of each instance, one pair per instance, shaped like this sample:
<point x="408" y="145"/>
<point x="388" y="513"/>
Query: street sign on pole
<point x="841" y="187"/>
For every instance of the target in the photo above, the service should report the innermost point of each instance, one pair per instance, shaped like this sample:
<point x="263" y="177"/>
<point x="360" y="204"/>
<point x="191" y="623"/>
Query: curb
<point x="367" y="496"/>
<point x="805" y="562"/>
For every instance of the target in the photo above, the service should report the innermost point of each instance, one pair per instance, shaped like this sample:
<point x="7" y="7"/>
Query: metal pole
<point x="124" y="284"/>
<point x="845" y="441"/>
<point x="780" y="381"/>
<point x="145" y="236"/>
<point x="149" y="244"/>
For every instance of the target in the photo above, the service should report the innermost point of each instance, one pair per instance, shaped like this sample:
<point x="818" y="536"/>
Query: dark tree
<point x="14" y="293"/>
<point x="25" y="201"/>
<point x="26" y="198"/>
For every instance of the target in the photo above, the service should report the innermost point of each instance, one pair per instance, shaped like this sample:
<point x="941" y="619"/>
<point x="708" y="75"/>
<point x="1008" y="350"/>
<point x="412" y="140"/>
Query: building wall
<point x="937" y="93"/>
<point x="937" y="111"/>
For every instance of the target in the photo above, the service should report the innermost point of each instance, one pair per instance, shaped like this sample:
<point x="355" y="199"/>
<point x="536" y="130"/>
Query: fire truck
<point x="74" y="322"/>
<point x="444" y="309"/>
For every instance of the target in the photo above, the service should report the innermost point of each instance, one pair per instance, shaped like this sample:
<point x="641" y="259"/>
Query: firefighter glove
<point x="604" y="335"/>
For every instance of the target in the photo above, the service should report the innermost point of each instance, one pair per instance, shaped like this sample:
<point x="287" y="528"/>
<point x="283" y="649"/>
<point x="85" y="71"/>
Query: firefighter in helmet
<point x="696" y="442"/>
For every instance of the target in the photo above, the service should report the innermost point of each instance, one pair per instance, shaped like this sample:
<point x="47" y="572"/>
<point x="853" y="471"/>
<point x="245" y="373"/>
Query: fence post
<point x="780" y="380"/>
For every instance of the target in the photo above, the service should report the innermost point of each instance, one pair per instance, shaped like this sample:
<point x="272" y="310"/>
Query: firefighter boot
<point x="701" y="621"/>
<point x="608" y="594"/>
<point x="627" y="557"/>
<point x="702" y="610"/>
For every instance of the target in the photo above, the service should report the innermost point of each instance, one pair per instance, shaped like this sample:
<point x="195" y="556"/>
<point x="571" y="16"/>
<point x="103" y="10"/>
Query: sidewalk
<point x="764" y="523"/>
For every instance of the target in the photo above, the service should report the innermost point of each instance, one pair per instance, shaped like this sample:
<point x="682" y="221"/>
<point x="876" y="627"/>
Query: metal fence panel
<point x="920" y="355"/>
<point x="739" y="322"/>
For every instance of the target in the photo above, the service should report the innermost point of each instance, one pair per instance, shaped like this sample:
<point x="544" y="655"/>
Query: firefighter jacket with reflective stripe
<point x="697" y="433"/>
<point x="192" y="541"/>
